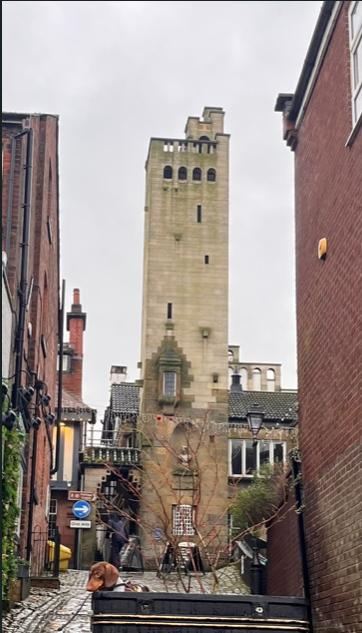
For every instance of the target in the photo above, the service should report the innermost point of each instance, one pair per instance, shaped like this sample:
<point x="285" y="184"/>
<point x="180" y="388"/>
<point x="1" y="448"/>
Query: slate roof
<point x="124" y="398"/>
<point x="72" y="402"/>
<point x="277" y="406"/>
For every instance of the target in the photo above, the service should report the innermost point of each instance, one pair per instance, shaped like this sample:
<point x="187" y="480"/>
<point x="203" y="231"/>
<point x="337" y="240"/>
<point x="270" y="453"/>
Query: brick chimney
<point x="76" y="324"/>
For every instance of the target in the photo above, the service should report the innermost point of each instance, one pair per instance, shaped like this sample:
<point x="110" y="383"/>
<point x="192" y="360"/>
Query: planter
<point x="188" y="613"/>
<point x="23" y="571"/>
<point x="20" y="589"/>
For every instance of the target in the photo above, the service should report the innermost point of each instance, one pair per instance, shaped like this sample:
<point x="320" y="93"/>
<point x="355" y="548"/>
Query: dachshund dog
<point x="104" y="577"/>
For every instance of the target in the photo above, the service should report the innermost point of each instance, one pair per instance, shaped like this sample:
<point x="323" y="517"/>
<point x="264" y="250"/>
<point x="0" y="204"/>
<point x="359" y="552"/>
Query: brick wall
<point x="284" y="568"/>
<point x="42" y="316"/>
<point x="328" y="188"/>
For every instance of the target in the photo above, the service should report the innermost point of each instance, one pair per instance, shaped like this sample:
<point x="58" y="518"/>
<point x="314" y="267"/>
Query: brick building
<point x="75" y="415"/>
<point x="322" y="126"/>
<point x="30" y="221"/>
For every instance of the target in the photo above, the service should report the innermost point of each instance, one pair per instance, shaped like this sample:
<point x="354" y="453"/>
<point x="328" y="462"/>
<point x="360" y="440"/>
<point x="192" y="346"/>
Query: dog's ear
<point x="110" y="576"/>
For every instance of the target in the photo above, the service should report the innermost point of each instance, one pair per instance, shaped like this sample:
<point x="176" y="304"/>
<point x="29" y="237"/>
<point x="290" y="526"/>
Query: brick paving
<point x="49" y="609"/>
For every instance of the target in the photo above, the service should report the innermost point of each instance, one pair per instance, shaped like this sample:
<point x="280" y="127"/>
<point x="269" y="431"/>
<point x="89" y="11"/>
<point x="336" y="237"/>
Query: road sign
<point x="81" y="509"/>
<point x="80" y="524"/>
<point x="79" y="495"/>
<point x="157" y="534"/>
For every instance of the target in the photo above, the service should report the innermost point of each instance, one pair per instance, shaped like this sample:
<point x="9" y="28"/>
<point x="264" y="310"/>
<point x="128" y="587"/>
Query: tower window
<point x="169" y="383"/>
<point x="169" y="310"/>
<point x="182" y="173"/>
<point x="196" y="174"/>
<point x="167" y="172"/>
<point x="211" y="175"/>
<point x="206" y="259"/>
<point x="204" y="138"/>
<point x="257" y="379"/>
<point x="270" y="378"/>
<point x="199" y="213"/>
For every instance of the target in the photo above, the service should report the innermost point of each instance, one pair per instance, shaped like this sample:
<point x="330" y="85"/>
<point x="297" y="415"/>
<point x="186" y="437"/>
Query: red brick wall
<point x="44" y="267"/>
<point x="328" y="189"/>
<point x="284" y="569"/>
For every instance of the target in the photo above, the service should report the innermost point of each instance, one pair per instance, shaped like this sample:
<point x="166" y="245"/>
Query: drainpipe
<point x="32" y="492"/>
<point x="11" y="196"/>
<point x="19" y="342"/>
<point x="297" y="477"/>
<point x="55" y="468"/>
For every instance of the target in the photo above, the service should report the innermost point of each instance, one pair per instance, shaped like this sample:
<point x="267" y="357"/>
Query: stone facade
<point x="185" y="324"/>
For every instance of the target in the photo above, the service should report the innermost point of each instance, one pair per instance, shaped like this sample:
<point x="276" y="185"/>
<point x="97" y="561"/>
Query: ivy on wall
<point x="12" y="442"/>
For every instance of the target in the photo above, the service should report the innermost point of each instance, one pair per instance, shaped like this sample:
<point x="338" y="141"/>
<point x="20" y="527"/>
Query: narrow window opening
<point x="169" y="383"/>
<point x="182" y="173"/>
<point x="211" y="175"/>
<point x="196" y="174"/>
<point x="206" y="259"/>
<point x="167" y="172"/>
<point x="199" y="213"/>
<point x="169" y="310"/>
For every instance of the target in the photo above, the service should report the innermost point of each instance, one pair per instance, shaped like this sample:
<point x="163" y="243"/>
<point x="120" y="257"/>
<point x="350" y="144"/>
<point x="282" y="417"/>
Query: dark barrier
<point x="189" y="613"/>
<point x="45" y="553"/>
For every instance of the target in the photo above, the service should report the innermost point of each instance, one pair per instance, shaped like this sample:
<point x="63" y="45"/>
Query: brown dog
<point x="105" y="576"/>
<point x="102" y="576"/>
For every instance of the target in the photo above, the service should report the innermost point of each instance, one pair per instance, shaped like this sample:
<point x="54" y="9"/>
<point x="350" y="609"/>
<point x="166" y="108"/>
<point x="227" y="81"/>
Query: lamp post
<point x="255" y="418"/>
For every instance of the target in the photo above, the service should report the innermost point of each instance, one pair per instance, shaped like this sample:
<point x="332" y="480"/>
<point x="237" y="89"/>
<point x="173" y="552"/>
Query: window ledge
<point x="354" y="132"/>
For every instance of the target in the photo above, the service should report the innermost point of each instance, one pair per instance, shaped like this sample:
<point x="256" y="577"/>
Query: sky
<point x="118" y="73"/>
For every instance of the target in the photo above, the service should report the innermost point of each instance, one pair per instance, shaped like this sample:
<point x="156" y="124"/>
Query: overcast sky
<point x="118" y="73"/>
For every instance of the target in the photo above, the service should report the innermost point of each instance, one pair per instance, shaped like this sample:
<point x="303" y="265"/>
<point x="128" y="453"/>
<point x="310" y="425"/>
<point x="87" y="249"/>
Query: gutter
<point x="309" y="64"/>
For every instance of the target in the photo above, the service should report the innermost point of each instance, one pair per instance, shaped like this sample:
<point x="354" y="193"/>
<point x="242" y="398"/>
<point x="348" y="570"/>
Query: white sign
<point x="75" y="523"/>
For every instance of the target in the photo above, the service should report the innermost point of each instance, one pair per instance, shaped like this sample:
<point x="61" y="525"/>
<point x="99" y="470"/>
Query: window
<point x="211" y="175"/>
<point x="169" y="383"/>
<point x="52" y="517"/>
<point x="183" y="517"/>
<point x="270" y="380"/>
<point x="196" y="174"/>
<point x="167" y="172"/>
<point x="241" y="455"/>
<point x="206" y="259"/>
<point x="204" y="138"/>
<point x="182" y="173"/>
<point x="244" y="378"/>
<point x="66" y="363"/>
<point x="257" y="379"/>
<point x="355" y="31"/>
<point x="199" y="213"/>
<point x="169" y="310"/>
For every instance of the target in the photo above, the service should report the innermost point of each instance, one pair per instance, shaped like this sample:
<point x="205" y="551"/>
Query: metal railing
<point x="45" y="553"/>
<point x="108" y="446"/>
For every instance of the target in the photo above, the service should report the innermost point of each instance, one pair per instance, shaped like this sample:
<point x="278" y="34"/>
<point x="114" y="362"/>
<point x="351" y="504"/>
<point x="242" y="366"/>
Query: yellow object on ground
<point x="64" y="556"/>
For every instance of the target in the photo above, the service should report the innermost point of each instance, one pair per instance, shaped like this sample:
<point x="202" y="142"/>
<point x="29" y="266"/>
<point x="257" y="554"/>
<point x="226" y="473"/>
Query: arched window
<point x="196" y="174"/>
<point x="211" y="175"/>
<point x="270" y="379"/>
<point x="167" y="172"/>
<point x="256" y="379"/>
<point x="204" y="138"/>
<point x="182" y="173"/>
<point x="244" y="378"/>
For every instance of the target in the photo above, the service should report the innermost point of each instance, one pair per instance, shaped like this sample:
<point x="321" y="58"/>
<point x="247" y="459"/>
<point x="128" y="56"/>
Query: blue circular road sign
<point x="157" y="534"/>
<point x="81" y="509"/>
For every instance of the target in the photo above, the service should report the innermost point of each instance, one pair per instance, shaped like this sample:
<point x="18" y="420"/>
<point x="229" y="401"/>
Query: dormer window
<point x="169" y="383"/>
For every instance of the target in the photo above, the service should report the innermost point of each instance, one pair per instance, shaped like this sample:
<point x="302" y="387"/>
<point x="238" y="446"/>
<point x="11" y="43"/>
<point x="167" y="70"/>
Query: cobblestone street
<point x="49" y="610"/>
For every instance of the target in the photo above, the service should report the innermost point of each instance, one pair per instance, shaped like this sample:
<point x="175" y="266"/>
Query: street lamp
<point x="255" y="417"/>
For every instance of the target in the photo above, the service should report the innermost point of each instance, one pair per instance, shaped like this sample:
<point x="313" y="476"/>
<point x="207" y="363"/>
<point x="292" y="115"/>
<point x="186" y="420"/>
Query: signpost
<point x="78" y="495"/>
<point x="75" y="523"/>
<point x="81" y="509"/>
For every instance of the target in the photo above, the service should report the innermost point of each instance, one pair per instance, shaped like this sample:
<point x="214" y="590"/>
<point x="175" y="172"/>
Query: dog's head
<point x="102" y="576"/>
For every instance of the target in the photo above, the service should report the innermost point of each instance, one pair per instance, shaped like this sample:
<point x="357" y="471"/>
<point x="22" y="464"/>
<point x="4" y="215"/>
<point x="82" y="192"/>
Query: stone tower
<point x="184" y="366"/>
<point x="185" y="292"/>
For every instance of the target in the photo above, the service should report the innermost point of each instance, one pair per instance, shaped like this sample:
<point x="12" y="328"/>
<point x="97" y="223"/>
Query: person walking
<point x="119" y="536"/>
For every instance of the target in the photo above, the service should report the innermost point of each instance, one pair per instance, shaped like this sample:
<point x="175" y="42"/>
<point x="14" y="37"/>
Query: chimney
<point x="118" y="374"/>
<point x="76" y="324"/>
<point x="235" y="384"/>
